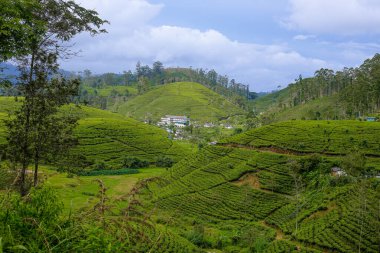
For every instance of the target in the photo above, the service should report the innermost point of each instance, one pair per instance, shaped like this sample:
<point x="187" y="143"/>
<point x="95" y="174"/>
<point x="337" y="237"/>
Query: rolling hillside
<point x="244" y="198"/>
<point x="184" y="98"/>
<point x="274" y="107"/>
<point x="306" y="136"/>
<point x="109" y="137"/>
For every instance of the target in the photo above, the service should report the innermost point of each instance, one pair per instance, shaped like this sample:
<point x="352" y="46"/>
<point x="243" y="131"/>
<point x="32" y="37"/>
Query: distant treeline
<point x="146" y="77"/>
<point x="357" y="89"/>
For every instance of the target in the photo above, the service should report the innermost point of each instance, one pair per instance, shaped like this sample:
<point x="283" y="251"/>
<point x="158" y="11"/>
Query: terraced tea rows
<point x="225" y="184"/>
<point x="109" y="137"/>
<point x="327" y="137"/>
<point x="219" y="165"/>
<point x="340" y="220"/>
<point x="184" y="98"/>
<point x="224" y="202"/>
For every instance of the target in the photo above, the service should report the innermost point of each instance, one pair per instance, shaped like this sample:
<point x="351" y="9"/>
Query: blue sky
<point x="263" y="43"/>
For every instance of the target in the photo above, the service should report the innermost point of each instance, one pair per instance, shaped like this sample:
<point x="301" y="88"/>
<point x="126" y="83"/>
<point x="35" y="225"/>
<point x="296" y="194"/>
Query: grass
<point x="80" y="191"/>
<point x="183" y="98"/>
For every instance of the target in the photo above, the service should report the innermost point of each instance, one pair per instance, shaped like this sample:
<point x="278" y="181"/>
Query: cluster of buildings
<point x="177" y="121"/>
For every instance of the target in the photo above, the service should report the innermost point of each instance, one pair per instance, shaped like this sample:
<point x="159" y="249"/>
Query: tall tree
<point x="16" y="29"/>
<point x="36" y="126"/>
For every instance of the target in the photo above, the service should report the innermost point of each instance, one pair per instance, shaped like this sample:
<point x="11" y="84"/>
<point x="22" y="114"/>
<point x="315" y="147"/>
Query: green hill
<point x="109" y="137"/>
<point x="329" y="94"/>
<point x="271" y="100"/>
<point x="240" y="198"/>
<point x="183" y="98"/>
<point x="306" y="136"/>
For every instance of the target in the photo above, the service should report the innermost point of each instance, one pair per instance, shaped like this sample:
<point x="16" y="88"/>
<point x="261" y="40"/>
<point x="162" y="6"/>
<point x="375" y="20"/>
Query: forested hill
<point x="348" y="93"/>
<point x="146" y="78"/>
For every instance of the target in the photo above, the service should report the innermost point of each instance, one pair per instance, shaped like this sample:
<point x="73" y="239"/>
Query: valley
<point x="174" y="159"/>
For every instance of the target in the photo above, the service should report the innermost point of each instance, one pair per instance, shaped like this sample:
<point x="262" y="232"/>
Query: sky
<point x="262" y="43"/>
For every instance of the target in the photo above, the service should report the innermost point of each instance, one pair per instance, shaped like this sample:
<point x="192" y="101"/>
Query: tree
<point x="158" y="68"/>
<point x="36" y="126"/>
<point x="354" y="163"/>
<point x="142" y="85"/>
<point x="16" y="27"/>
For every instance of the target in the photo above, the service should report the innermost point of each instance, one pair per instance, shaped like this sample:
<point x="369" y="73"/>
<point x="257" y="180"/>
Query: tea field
<point x="307" y="136"/>
<point x="183" y="98"/>
<point x="225" y="189"/>
<point x="110" y="137"/>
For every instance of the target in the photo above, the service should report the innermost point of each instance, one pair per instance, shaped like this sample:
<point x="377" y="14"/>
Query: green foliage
<point x="36" y="224"/>
<point x="7" y="176"/>
<point x="29" y="222"/>
<point x="17" y="27"/>
<point x="164" y="162"/>
<point x="36" y="131"/>
<point x="108" y="172"/>
<point x="134" y="162"/>
<point x="354" y="163"/>
<point x="350" y="93"/>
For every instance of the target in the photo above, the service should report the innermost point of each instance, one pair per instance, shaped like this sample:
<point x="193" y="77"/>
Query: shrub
<point x="108" y="172"/>
<point x="134" y="162"/>
<point x="100" y="166"/>
<point x="164" y="162"/>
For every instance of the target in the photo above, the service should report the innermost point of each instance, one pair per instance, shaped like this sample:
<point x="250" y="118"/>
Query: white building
<point x="338" y="172"/>
<point x="178" y="121"/>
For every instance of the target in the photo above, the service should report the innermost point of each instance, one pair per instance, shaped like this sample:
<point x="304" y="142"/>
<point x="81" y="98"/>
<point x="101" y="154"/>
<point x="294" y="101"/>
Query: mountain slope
<point x="109" y="137"/>
<point x="232" y="191"/>
<point x="184" y="98"/>
<point x="307" y="136"/>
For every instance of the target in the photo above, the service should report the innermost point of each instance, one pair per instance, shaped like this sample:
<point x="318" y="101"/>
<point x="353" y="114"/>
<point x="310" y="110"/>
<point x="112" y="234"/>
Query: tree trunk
<point x="23" y="190"/>
<point x="36" y="161"/>
<point x="25" y="159"/>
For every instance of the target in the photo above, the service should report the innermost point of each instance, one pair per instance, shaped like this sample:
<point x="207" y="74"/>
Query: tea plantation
<point x="266" y="190"/>
<point x="184" y="98"/>
<point x="324" y="137"/>
<point x="224" y="189"/>
<point x="109" y="137"/>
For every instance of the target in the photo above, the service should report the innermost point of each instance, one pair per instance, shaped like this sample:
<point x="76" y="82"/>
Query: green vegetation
<point x="347" y="94"/>
<point x="37" y="224"/>
<point x="290" y="194"/>
<point x="325" y="137"/>
<point x="190" y="99"/>
<point x="109" y="137"/>
<point x="108" y="172"/>
<point x="239" y="197"/>
<point x="293" y="186"/>
<point x="111" y="140"/>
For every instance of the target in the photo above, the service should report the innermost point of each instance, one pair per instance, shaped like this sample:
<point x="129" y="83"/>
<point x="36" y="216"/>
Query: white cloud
<point x="345" y="17"/>
<point x="131" y="38"/>
<point x="304" y="37"/>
